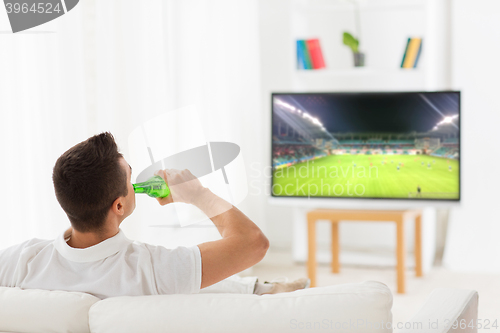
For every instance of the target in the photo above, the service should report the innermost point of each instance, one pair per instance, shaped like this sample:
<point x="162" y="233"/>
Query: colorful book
<point x="418" y="55"/>
<point x="301" y="60"/>
<point x="406" y="50"/>
<point x="315" y="53"/>
<point x="309" y="54"/>
<point x="412" y="53"/>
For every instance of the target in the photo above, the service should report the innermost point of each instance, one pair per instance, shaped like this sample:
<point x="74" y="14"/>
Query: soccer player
<point x="419" y="191"/>
<point x="398" y="167"/>
<point x="429" y="165"/>
<point x="449" y="167"/>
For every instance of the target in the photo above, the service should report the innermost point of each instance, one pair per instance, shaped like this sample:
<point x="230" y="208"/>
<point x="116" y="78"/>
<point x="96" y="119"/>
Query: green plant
<point x="350" y="41"/>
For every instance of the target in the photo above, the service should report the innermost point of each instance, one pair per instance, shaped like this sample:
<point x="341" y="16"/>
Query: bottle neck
<point x="139" y="189"/>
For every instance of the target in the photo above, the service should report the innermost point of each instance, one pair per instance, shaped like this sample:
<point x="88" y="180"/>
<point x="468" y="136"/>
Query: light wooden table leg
<point x="418" y="245"/>
<point x="311" y="259"/>
<point x="400" y="255"/>
<point x="335" y="247"/>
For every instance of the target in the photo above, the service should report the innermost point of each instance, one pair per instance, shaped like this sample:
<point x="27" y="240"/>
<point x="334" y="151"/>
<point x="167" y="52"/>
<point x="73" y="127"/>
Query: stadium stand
<point x="286" y="155"/>
<point x="401" y="142"/>
<point x="440" y="152"/>
<point x="351" y="142"/>
<point x="451" y="140"/>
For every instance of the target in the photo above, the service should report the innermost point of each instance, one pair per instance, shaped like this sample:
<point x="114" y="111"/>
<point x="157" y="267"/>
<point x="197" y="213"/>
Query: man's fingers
<point x="159" y="173"/>
<point x="163" y="174"/>
<point x="165" y="201"/>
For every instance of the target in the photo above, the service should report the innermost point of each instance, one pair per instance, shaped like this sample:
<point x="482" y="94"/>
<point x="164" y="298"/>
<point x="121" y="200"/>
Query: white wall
<point x="274" y="23"/>
<point x="282" y="21"/>
<point x="474" y="230"/>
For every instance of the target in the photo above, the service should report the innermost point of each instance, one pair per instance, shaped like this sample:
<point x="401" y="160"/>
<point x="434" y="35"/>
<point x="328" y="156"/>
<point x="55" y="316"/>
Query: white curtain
<point x="110" y="66"/>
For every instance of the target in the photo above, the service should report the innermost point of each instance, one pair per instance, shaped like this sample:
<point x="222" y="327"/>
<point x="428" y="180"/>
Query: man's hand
<point x="184" y="186"/>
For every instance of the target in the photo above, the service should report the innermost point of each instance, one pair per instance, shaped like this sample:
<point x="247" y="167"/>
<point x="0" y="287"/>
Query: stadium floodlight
<point x="303" y="113"/>
<point x="286" y="105"/>
<point x="448" y="119"/>
<point x="312" y="119"/>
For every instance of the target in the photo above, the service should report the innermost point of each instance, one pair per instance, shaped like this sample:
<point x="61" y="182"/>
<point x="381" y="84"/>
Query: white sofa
<point x="362" y="307"/>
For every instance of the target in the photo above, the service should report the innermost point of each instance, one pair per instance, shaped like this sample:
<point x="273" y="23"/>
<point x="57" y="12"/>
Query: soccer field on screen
<point x="370" y="176"/>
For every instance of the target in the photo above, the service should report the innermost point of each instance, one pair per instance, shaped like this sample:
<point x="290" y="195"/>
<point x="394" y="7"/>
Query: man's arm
<point x="242" y="245"/>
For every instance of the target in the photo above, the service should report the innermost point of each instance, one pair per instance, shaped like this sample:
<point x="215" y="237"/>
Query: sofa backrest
<point x="30" y="311"/>
<point x="358" y="307"/>
<point x="361" y="307"/>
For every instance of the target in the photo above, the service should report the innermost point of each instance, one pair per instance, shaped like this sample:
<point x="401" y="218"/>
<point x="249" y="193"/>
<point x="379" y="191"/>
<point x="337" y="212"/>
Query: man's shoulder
<point x="155" y="247"/>
<point x="17" y="255"/>
<point x="138" y="246"/>
<point x="162" y="251"/>
<point x="36" y="241"/>
<point x="26" y="245"/>
<point x="167" y="256"/>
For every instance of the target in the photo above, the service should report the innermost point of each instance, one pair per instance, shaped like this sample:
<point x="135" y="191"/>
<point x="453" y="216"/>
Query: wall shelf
<point x="383" y="44"/>
<point x="365" y="5"/>
<point x="360" y="71"/>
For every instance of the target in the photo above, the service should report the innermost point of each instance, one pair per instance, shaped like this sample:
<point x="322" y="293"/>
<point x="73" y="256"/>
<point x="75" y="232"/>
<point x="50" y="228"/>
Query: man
<point x="92" y="182"/>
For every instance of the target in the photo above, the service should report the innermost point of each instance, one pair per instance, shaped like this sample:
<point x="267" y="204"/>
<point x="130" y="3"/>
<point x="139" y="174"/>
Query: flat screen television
<point x="385" y="145"/>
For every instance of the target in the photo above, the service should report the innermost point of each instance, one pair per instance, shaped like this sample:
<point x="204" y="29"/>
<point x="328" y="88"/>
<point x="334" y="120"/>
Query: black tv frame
<point x="374" y="93"/>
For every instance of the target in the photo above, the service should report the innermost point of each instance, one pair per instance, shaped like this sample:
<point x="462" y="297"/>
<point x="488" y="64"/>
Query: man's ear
<point x="118" y="207"/>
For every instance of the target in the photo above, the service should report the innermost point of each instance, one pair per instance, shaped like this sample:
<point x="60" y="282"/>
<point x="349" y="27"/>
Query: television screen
<point x="366" y="145"/>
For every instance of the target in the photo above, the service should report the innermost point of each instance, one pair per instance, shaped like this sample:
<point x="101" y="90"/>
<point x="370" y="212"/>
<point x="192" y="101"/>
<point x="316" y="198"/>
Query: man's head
<point x="92" y="180"/>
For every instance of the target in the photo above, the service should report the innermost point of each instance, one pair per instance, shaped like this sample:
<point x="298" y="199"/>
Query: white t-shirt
<point x="114" y="267"/>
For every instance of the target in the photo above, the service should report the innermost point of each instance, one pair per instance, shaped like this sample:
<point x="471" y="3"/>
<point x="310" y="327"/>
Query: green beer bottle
<point x="155" y="187"/>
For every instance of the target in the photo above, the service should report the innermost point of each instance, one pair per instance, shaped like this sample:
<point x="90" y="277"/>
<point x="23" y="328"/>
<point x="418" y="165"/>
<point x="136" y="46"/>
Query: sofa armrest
<point x="444" y="308"/>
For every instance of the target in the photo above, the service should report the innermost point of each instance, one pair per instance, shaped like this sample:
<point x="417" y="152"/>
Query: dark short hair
<point x="88" y="178"/>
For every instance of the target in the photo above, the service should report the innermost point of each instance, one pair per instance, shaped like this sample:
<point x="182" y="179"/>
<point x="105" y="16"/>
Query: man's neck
<point x="81" y="240"/>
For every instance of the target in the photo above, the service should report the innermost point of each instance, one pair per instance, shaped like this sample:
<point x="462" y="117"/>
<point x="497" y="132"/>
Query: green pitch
<point x="373" y="176"/>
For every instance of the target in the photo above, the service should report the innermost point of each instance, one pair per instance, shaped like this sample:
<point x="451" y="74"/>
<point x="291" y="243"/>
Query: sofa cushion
<point x="361" y="307"/>
<point x="34" y="310"/>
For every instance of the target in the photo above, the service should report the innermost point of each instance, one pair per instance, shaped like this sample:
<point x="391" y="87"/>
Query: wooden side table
<point x="336" y="216"/>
